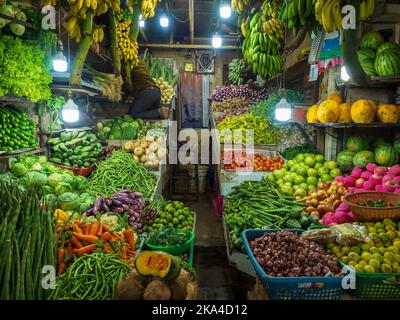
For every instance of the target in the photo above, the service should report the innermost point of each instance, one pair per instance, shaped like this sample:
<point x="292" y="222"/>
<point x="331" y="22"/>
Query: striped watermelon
<point x="387" y="63"/>
<point x="371" y="40"/>
<point x="387" y="45"/>
<point x="366" y="54"/>
<point x="386" y="155"/>
<point x="369" y="67"/>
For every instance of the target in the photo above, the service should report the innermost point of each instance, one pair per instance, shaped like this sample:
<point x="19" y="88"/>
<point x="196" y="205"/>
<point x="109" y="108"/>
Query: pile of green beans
<point x="120" y="172"/>
<point x="91" y="277"/>
<point x="27" y="242"/>
<point x="258" y="205"/>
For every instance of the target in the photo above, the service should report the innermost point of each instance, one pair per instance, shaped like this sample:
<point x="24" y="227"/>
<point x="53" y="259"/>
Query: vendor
<point x="146" y="94"/>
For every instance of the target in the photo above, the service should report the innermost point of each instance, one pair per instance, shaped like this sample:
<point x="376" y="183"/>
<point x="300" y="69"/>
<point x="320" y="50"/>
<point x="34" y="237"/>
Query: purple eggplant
<point x="97" y="205"/>
<point x="108" y="202"/>
<point x="117" y="203"/>
<point x="88" y="213"/>
<point x="137" y="194"/>
<point x="123" y="199"/>
<point x="105" y="207"/>
<point x="126" y="207"/>
<point x="118" y="210"/>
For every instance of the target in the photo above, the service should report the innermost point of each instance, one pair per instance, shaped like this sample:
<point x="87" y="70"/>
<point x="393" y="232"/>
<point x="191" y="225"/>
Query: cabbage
<point x="54" y="179"/>
<point x="42" y="159"/>
<point x="29" y="161"/>
<point x="17" y="29"/>
<point x="8" y="10"/>
<point x="62" y="187"/>
<point x="3" y="23"/>
<point x="50" y="198"/>
<point x="35" y="178"/>
<point x="68" y="201"/>
<point x="36" y="166"/>
<point x="18" y="169"/>
<point x="81" y="183"/>
<point x="84" y="207"/>
<point x="68" y="178"/>
<point x="47" y="190"/>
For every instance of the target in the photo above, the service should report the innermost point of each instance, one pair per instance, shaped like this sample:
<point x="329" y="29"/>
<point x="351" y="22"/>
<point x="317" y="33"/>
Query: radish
<point x="380" y="170"/>
<point x="371" y="167"/>
<point x="339" y="179"/>
<point x="368" y="185"/>
<point x="360" y="182"/>
<point x="366" y="174"/>
<point x="352" y="217"/>
<point x="397" y="179"/>
<point x="379" y="188"/>
<point x="397" y="190"/>
<point x="395" y="170"/>
<point x="387" y="177"/>
<point x="349" y="182"/>
<point x="340" y="217"/>
<point x="375" y="179"/>
<point x="356" y="172"/>
<point x="390" y="186"/>
<point x="343" y="207"/>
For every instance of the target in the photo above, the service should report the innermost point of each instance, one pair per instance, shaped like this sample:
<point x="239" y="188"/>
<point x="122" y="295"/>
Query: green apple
<point x="335" y="172"/>
<point x="312" y="172"/>
<point x="323" y="170"/>
<point x="300" y="158"/>
<point x="303" y="186"/>
<point x="325" y="178"/>
<point x="290" y="163"/>
<point x="331" y="164"/>
<point x="319" y="158"/>
<point x="278" y="174"/>
<point x="302" y="171"/>
<point x="318" y="165"/>
<point x="312" y="180"/>
<point x="309" y="161"/>
<point x="312" y="187"/>
<point x="300" y="192"/>
<point x="299" y="180"/>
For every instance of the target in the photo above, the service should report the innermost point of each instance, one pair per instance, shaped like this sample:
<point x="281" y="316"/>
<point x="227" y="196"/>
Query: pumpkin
<point x="158" y="264"/>
<point x="328" y="111"/>
<point x="386" y="155"/>
<point x="363" y="111"/>
<point x="335" y="97"/>
<point x="387" y="113"/>
<point x="344" y="113"/>
<point x="312" y="114"/>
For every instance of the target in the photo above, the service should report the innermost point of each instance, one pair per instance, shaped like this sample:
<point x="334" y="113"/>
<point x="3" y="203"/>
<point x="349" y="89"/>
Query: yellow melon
<point x="312" y="114"/>
<point x="388" y="113"/>
<point x="363" y="111"/>
<point x="328" y="111"/>
<point x="335" y="97"/>
<point x="344" y="109"/>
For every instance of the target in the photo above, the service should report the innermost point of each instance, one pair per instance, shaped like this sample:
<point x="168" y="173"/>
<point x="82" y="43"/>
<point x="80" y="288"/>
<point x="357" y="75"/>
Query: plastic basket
<point x="292" y="288"/>
<point x="174" y="250"/>
<point x="77" y="171"/>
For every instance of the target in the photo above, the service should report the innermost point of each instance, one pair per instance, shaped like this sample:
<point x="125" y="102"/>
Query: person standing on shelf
<point x="146" y="94"/>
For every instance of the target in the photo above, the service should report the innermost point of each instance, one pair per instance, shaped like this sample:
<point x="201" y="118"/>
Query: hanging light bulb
<point x="225" y="10"/>
<point x="164" y="21"/>
<point x="141" y="22"/>
<point x="216" y="40"/>
<point x="60" y="63"/>
<point x="70" y="111"/>
<point x="283" y="109"/>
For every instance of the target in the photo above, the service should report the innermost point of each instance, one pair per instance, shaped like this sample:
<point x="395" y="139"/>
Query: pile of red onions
<point x="221" y="93"/>
<point x="127" y="201"/>
<point x="286" y="254"/>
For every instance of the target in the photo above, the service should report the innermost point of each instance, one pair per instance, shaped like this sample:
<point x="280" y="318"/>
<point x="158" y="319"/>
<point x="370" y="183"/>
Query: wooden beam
<point x="185" y="46"/>
<point x="191" y="20"/>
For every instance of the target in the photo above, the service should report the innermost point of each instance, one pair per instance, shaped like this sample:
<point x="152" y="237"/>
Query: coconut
<point x="131" y="288"/>
<point x="157" y="290"/>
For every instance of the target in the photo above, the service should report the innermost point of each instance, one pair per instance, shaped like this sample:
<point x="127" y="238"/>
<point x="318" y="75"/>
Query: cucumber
<point x="78" y="150"/>
<point x="73" y="142"/>
<point x="56" y="160"/>
<point x="87" y="149"/>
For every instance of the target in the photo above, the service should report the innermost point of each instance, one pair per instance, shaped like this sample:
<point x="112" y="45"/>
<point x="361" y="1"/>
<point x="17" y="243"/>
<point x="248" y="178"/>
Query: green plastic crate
<point x="377" y="286"/>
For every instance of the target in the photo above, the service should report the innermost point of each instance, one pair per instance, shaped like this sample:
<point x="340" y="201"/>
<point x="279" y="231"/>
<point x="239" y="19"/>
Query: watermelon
<point x="356" y="144"/>
<point x="369" y="67"/>
<point x="388" y="45"/>
<point x="362" y="158"/>
<point x="366" y="54"/>
<point x="371" y="40"/>
<point x="345" y="158"/>
<point x="387" y="63"/>
<point x="396" y="144"/>
<point x="386" y="155"/>
<point x="376" y="143"/>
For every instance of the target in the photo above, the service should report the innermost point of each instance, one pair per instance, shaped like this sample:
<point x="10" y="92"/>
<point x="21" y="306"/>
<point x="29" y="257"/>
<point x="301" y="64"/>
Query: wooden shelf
<point x="12" y="19"/>
<point x="17" y="153"/>
<point x="12" y="99"/>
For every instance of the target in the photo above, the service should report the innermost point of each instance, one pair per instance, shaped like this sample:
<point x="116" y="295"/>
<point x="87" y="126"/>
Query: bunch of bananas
<point x="239" y="5"/>
<point x="298" y="13"/>
<point x="73" y="28"/>
<point x="367" y="8"/>
<point x="148" y="8"/>
<point x="269" y="19"/>
<point x="261" y="49"/>
<point x="328" y="13"/>
<point x="98" y="35"/>
<point x="48" y="2"/>
<point x="127" y="48"/>
<point x="235" y="66"/>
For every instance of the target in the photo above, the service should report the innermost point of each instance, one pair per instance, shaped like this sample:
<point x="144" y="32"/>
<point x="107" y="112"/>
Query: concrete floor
<point x="216" y="279"/>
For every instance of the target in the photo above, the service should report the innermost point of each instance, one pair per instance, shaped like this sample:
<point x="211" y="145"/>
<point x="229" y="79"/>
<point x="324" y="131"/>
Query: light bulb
<point x="60" y="63"/>
<point x="216" y="41"/>
<point x="343" y="74"/>
<point x="225" y="11"/>
<point x="164" y="21"/>
<point x="283" y="110"/>
<point x="70" y="111"/>
<point x="141" y="22"/>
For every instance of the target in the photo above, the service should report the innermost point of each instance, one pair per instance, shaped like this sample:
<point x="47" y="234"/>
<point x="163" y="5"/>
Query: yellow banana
<point x="86" y="3"/>
<point x="80" y="4"/>
<point x="71" y="23"/>
<point x="101" y="35"/>
<point x="93" y="4"/>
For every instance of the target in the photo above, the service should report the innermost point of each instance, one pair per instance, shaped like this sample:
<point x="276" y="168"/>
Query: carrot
<point x="100" y="231"/>
<point x="130" y="238"/>
<point x="123" y="252"/>
<point x="94" y="227"/>
<point x="77" y="229"/>
<point x="85" y="228"/>
<point x="60" y="255"/>
<point x="76" y="242"/>
<point x="106" y="228"/>
<point x="75" y="250"/>
<point x="86" y="238"/>
<point x="61" y="268"/>
<point x="85" y="250"/>
<point x="108" y="249"/>
<point x="106" y="236"/>
<point x="68" y="252"/>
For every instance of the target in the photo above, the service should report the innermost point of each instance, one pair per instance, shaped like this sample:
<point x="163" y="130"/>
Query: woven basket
<point x="373" y="214"/>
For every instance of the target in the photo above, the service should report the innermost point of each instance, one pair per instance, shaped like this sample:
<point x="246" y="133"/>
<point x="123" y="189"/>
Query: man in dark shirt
<point x="147" y="96"/>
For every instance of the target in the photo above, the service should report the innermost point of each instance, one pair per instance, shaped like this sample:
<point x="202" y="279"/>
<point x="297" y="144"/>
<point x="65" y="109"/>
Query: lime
<point x="312" y="187"/>
<point x="359" y="268"/>
<point x="372" y="230"/>
<point x="369" y="269"/>
<point x="175" y="221"/>
<point x="387" y="261"/>
<point x="171" y="225"/>
<point x="309" y="161"/>
<point x="388" y="222"/>
<point x="393" y="249"/>
<point x="389" y="255"/>
<point x="318" y="165"/>
<point x="386" y="268"/>
<point x="168" y="217"/>
<point x="366" y="256"/>
<point x="299" y="180"/>
<point x="390" y="235"/>
<point x="323" y="170"/>
<point x="382" y="250"/>
<point x="373" y="250"/>
<point x="302" y="171"/>
<point x="181" y="218"/>
<point x="396" y="243"/>
<point x="379" y="225"/>
<point x="397" y="257"/>
<point x="312" y="180"/>
<point x="335" y="249"/>
<point x="355" y="249"/>
<point x="319" y="158"/>
<point x="331" y="164"/>
<point x="300" y="158"/>
<point x="345" y="250"/>
<point x="365" y="247"/>
<point x="291" y="163"/>
<point x="352" y="263"/>
<point x="312" y="172"/>
<point x="362" y="263"/>
<point x="353" y="256"/>
<point x="370" y="243"/>
<point x="325" y="178"/>
<point x="335" y="172"/>
<point x="278" y="174"/>
<point x="389" y="228"/>
<point x="374" y="263"/>
<point x="375" y="237"/>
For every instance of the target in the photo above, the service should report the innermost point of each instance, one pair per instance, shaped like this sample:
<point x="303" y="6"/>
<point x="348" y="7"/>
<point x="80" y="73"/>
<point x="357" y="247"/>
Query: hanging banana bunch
<point x="48" y="2"/>
<point x="235" y="66"/>
<point x="298" y="14"/>
<point x="239" y="5"/>
<point x="269" y="19"/>
<point x="148" y="8"/>
<point x="128" y="49"/>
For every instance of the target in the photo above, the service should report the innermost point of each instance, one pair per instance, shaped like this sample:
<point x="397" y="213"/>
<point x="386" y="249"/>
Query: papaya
<point x="312" y="114"/>
<point x="328" y="111"/>
<point x="363" y="111"/>
<point x="335" y="97"/>
<point x="344" y="110"/>
<point x="387" y="113"/>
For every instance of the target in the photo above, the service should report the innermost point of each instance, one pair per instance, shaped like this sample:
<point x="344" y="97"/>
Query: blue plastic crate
<point x="292" y="288"/>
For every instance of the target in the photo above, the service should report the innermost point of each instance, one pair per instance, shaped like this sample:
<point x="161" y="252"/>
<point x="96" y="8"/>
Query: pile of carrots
<point x="244" y="161"/>
<point x="78" y="238"/>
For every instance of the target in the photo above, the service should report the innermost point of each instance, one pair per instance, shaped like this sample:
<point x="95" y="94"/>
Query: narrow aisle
<point x="217" y="280"/>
